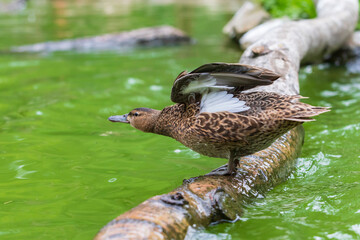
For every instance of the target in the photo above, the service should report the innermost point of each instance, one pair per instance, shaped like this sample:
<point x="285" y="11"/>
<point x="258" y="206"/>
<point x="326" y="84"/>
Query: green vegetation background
<point x="295" y="9"/>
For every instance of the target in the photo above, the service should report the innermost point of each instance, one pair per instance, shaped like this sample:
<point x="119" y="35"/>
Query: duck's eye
<point x="136" y="114"/>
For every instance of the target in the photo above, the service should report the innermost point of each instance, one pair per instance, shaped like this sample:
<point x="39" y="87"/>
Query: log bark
<point x="254" y="15"/>
<point x="203" y="200"/>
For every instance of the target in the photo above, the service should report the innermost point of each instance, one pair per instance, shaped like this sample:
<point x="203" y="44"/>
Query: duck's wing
<point x="214" y="83"/>
<point x="219" y="76"/>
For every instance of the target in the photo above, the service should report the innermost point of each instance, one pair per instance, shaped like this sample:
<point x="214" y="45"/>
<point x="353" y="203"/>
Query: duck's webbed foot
<point x="221" y="171"/>
<point x="226" y="170"/>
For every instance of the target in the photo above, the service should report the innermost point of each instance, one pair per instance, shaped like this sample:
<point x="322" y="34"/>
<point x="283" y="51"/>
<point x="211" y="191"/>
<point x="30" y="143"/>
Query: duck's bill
<point x="119" y="118"/>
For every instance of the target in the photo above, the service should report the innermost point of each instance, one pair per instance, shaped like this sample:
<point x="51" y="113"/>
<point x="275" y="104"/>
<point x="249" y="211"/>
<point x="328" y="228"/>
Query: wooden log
<point x="254" y="15"/>
<point x="204" y="200"/>
<point x="124" y="41"/>
<point x="207" y="199"/>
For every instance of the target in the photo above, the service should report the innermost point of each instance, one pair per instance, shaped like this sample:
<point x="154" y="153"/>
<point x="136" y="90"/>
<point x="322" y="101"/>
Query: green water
<point x="66" y="171"/>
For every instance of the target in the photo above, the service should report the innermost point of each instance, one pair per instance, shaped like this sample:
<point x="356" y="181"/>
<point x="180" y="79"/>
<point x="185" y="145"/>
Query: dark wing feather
<point x="259" y="73"/>
<point x="226" y="75"/>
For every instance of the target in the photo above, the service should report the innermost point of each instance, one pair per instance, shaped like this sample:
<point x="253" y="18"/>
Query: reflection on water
<point x="66" y="171"/>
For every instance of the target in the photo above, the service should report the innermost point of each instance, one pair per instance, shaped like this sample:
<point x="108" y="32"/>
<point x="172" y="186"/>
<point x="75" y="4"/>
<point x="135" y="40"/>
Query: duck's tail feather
<point x="305" y="112"/>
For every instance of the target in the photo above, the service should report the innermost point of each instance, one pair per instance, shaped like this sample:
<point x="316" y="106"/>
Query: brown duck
<point x="214" y="117"/>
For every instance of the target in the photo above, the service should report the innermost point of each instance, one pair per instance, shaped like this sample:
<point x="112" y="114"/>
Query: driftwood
<point x="210" y="199"/>
<point x="124" y="41"/>
<point x="254" y="15"/>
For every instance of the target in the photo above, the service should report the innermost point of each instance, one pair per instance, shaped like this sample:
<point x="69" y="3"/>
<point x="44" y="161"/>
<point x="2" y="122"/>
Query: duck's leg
<point x="233" y="163"/>
<point x="229" y="170"/>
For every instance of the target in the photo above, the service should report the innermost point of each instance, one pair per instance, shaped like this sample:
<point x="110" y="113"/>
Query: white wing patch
<point x="220" y="102"/>
<point x="203" y="84"/>
<point x="215" y="98"/>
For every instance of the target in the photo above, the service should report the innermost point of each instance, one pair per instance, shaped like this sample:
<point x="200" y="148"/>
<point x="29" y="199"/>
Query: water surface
<point x="66" y="171"/>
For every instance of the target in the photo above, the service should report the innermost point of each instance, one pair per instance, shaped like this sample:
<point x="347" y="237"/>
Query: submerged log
<point x="124" y="41"/>
<point x="203" y="200"/>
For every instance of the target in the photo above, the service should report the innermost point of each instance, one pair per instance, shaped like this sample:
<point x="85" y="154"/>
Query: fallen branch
<point x="143" y="37"/>
<point x="209" y="199"/>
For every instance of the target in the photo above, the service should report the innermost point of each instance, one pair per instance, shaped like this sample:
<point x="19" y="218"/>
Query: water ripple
<point x="320" y="205"/>
<point x="352" y="129"/>
<point x="19" y="168"/>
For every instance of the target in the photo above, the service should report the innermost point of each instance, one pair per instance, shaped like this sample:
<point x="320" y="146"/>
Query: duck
<point x="216" y="116"/>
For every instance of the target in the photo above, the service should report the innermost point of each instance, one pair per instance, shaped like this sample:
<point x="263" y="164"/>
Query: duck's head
<point x="143" y="119"/>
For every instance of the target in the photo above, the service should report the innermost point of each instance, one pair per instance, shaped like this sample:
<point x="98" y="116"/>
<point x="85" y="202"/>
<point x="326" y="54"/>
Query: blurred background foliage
<point x="295" y="9"/>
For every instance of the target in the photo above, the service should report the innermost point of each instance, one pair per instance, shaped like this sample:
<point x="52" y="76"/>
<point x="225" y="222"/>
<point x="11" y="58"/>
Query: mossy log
<point x="203" y="200"/>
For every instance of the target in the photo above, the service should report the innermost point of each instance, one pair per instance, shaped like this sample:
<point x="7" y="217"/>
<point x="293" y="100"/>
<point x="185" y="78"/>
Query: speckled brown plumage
<point x="217" y="134"/>
<point x="224" y="134"/>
